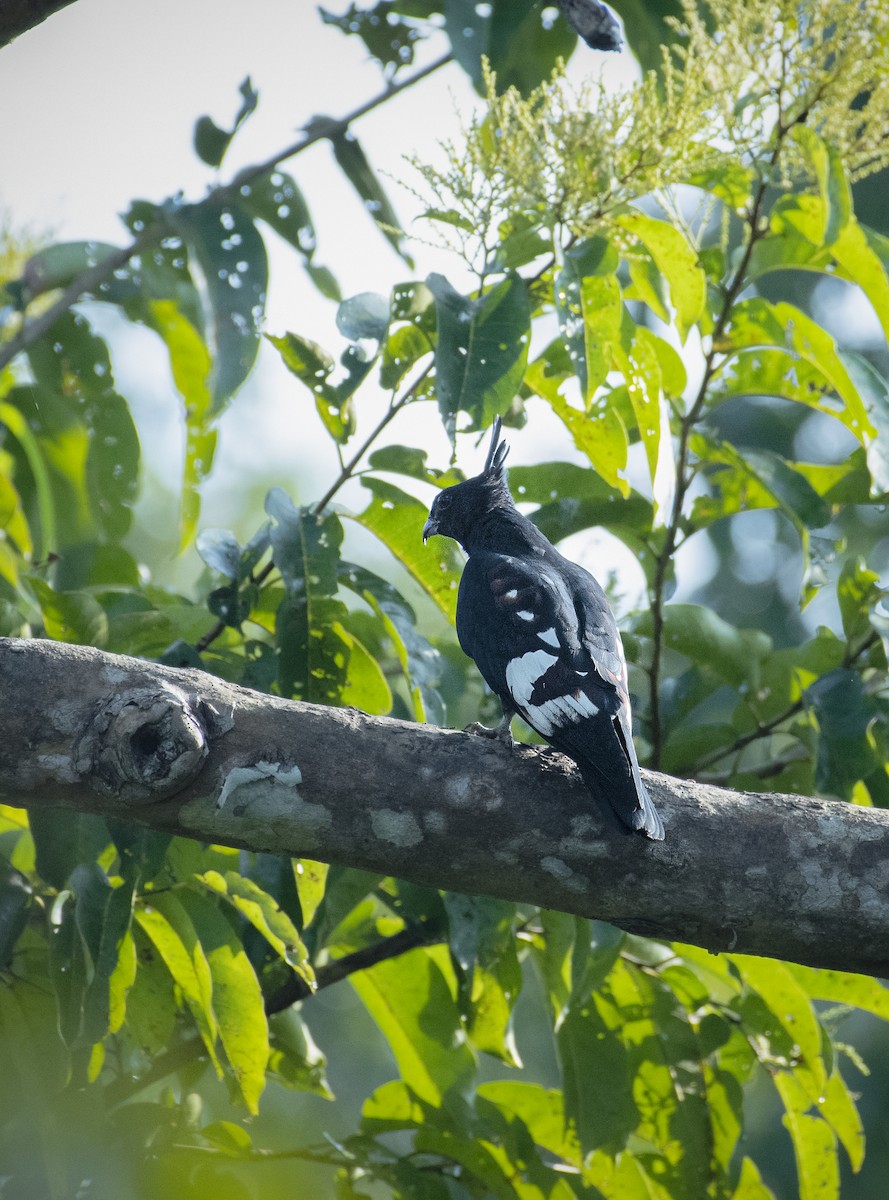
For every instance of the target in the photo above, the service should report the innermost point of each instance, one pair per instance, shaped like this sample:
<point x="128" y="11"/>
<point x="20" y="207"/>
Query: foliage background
<point x="97" y="923"/>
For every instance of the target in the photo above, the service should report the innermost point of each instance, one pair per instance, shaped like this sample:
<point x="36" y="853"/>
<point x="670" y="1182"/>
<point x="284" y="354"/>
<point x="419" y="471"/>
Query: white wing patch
<point x="523" y="673"/>
<point x="549" y="636"/>
<point x="559" y="712"/>
<point x="525" y="615"/>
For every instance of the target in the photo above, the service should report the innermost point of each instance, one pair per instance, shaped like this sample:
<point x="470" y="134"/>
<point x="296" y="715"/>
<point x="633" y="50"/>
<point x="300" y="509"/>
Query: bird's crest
<point x="494" y="470"/>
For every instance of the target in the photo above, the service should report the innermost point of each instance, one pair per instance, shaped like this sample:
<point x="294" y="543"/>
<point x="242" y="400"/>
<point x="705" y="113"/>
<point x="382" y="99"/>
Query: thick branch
<point x="795" y="878"/>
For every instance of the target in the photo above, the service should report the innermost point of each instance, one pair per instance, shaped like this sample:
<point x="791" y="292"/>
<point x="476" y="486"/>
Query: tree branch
<point x="800" y="879"/>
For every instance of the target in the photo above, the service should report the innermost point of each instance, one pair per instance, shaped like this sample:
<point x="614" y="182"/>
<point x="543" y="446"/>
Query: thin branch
<point x="345" y="474"/>
<point x="296" y="989"/>
<point x="318" y="130"/>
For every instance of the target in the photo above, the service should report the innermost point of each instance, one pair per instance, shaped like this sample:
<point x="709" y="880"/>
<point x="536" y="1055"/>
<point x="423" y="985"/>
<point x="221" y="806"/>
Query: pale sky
<point x="105" y="95"/>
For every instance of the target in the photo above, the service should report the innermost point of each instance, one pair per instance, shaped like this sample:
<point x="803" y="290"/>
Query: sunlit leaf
<point x="412" y="1005"/>
<point x="676" y="261"/>
<point x="237" y="998"/>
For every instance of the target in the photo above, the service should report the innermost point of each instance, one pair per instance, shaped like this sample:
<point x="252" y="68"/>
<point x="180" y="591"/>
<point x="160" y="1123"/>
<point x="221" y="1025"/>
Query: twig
<point x="87" y="280"/>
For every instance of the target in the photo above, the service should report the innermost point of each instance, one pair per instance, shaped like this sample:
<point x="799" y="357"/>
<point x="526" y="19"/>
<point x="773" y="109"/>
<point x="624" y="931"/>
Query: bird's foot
<point x="500" y="733"/>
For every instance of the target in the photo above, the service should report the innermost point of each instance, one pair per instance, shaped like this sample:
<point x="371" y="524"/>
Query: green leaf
<point x="264" y="914"/>
<point x="191" y="366"/>
<point x="814" y="1144"/>
<point x="702" y="636"/>
<point x="363" y="316"/>
<point x="294" y="1059"/>
<point x="858" y="591"/>
<point x="597" y="1080"/>
<point x="838" y="1108"/>
<point x="211" y="142"/>
<point x="411" y="1003"/>
<point x="313" y="648"/>
<point x="827" y="167"/>
<point x="589" y="308"/>
<point x="234" y="266"/>
<point x="365" y="686"/>
<point x="840" y="987"/>
<point x="676" y="260"/>
<point x="600" y="435"/>
<point x="167" y="923"/>
<point x="63" y="839"/>
<point x="762" y="326"/>
<point x="541" y="1110"/>
<point x="522" y="49"/>
<point x="356" y="167"/>
<point x="70" y="616"/>
<point x="637" y="359"/>
<point x="397" y="520"/>
<point x="237" y="998"/>
<point x="845" y="711"/>
<point x="313" y="366"/>
<point x="481" y="351"/>
<point x="792" y="1009"/>
<point x="392" y="1106"/>
<point x="387" y="37"/>
<point x="102" y="914"/>
<point x="481" y="936"/>
<point x="310" y="878"/>
<point x="750" y="1184"/>
<point x="16" y="895"/>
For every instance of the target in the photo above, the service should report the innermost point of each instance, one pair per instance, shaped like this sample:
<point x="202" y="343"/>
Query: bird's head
<point x="455" y="510"/>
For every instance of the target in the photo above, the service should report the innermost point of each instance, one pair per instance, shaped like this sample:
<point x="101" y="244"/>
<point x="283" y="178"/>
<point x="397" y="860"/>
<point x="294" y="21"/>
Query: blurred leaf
<point x="482" y="349"/>
<point x="355" y="166"/>
<point x="62" y="839"/>
<point x="858" y="591"/>
<point x="234" y="266"/>
<point x="313" y="366"/>
<point x="220" y="550"/>
<point x="294" y="1059"/>
<point x="836" y="192"/>
<point x="844" y="711"/>
<point x="70" y="616"/>
<point x="237" y="998"/>
<point x="814" y="1144"/>
<point x="167" y="923"/>
<point x="840" y="987"/>
<point x="387" y="36"/>
<point x="646" y="29"/>
<point x="397" y="520"/>
<point x="211" y="142"/>
<point x="16" y="894"/>
<point x="102" y="915"/>
<point x="585" y="282"/>
<point x="702" y="636"/>
<point x="541" y="1110"/>
<point x="481" y="936"/>
<point x="264" y="914"/>
<point x="363" y="316"/>
<point x="191" y="366"/>
<point x="410" y="1002"/>
<point x="522" y="48"/>
<point x="312" y="646"/>
<point x="597" y="1080"/>
<point x="750" y="1184"/>
<point x="600" y="435"/>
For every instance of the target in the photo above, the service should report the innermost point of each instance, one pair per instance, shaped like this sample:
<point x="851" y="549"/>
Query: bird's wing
<point x="544" y="639"/>
<point x="517" y="620"/>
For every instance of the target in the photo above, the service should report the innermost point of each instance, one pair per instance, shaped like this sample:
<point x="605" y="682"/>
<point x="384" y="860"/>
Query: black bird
<point x="541" y="632"/>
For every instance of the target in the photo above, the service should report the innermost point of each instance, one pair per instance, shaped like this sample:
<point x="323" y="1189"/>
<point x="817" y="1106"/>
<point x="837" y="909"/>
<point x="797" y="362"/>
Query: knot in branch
<point x="143" y="745"/>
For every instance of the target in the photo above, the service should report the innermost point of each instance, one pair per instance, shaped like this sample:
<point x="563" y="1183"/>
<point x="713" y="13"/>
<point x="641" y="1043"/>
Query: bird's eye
<point x="443" y="500"/>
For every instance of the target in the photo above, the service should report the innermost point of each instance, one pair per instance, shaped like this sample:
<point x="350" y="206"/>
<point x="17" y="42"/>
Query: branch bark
<point x="178" y="750"/>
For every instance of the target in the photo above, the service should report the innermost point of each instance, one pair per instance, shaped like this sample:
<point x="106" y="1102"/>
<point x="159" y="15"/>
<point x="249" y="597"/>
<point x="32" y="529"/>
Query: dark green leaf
<point x="62" y="839"/>
<point x="232" y="257"/>
<point x="482" y="349"/>
<point x="388" y="36"/>
<point x="520" y="46"/>
<point x="210" y="141"/>
<point x="597" y="1080"/>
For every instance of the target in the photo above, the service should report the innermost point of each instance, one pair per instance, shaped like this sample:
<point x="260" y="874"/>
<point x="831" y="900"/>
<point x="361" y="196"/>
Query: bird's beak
<point x="429" y="529"/>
